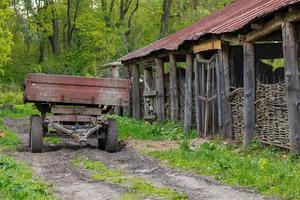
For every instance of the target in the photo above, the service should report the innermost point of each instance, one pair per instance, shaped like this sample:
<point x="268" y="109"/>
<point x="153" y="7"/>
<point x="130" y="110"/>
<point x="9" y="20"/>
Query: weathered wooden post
<point x="188" y="102"/>
<point x="159" y="86"/>
<point x="115" y="71"/>
<point x="173" y="88"/>
<point x="126" y="110"/>
<point x="136" y="99"/>
<point x="225" y="90"/>
<point x="291" y="63"/>
<point x="249" y="93"/>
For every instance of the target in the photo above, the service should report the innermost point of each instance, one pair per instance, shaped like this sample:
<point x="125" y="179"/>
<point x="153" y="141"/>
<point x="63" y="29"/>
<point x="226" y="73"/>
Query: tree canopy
<point x="76" y="36"/>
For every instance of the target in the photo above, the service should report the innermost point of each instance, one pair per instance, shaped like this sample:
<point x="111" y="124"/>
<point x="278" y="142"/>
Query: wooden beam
<point x="225" y="91"/>
<point x="188" y="98"/>
<point x="249" y="94"/>
<point x="136" y="99"/>
<point x="126" y="110"/>
<point x="207" y="45"/>
<point x="272" y="26"/>
<point x="291" y="62"/>
<point x="159" y="86"/>
<point x="173" y="88"/>
<point x="256" y="26"/>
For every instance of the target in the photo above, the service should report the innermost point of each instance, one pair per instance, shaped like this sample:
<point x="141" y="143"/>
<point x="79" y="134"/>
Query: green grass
<point x="52" y="140"/>
<point x="11" y="107"/>
<point x="141" y="130"/>
<point x="16" y="178"/>
<point x="17" y="182"/>
<point x="138" y="187"/>
<point x="266" y="170"/>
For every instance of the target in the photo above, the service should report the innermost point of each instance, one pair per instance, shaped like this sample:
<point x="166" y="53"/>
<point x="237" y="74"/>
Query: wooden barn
<point x="234" y="73"/>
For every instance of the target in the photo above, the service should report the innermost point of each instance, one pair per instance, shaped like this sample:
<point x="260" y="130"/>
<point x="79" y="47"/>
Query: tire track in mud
<point x="55" y="166"/>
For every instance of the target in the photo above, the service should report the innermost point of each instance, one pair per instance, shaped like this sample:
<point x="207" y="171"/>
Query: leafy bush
<point x="130" y="128"/>
<point x="267" y="170"/>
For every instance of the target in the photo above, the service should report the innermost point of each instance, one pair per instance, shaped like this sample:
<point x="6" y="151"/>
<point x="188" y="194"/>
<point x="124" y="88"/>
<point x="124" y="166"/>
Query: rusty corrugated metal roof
<point x="231" y="18"/>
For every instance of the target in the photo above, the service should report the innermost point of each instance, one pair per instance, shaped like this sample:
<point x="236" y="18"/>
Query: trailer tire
<point x="112" y="141"/>
<point x="101" y="144"/>
<point x="36" y="134"/>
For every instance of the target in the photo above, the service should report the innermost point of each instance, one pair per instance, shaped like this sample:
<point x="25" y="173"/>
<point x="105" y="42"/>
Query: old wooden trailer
<point x="78" y="107"/>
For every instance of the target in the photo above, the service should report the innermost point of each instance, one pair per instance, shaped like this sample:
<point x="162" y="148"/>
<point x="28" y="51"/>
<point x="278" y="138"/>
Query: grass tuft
<point x="266" y="170"/>
<point x="141" y="130"/>
<point x="17" y="182"/>
<point x="138" y="187"/>
<point x="52" y="140"/>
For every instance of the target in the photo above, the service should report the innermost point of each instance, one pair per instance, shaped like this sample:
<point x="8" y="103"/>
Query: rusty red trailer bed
<point x="61" y="89"/>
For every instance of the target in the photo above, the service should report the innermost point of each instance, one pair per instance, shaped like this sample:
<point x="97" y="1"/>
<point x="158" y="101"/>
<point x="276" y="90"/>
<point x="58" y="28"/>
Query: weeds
<point x="130" y="128"/>
<point x="16" y="182"/>
<point x="138" y="187"/>
<point x="267" y="170"/>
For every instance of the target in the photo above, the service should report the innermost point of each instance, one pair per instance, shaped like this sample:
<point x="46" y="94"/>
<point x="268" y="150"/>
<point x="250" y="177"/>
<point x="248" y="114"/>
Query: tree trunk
<point x="54" y="38"/>
<point x="165" y="18"/>
<point x="249" y="94"/>
<point x="291" y="62"/>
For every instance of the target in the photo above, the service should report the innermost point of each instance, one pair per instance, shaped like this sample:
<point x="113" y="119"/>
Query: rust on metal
<point x="60" y="89"/>
<point x="231" y="18"/>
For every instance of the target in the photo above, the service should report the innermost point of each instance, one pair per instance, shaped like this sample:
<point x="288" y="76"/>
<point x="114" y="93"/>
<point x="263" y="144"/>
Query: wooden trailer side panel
<point x="76" y="90"/>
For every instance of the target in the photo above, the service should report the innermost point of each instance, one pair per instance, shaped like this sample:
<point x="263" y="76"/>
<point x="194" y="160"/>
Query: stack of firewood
<point x="271" y="114"/>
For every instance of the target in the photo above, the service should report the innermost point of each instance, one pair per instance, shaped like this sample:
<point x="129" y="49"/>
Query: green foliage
<point x="100" y="34"/>
<point x="130" y="128"/>
<point x="11" y="107"/>
<point x="17" y="182"/>
<point x="267" y="170"/>
<point x="5" y="34"/>
<point x="138" y="187"/>
<point x="275" y="63"/>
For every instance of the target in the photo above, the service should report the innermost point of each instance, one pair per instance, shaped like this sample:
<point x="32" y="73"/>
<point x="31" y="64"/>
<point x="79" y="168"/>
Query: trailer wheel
<point x="102" y="139"/>
<point x="36" y="134"/>
<point x="101" y="143"/>
<point x="112" y="141"/>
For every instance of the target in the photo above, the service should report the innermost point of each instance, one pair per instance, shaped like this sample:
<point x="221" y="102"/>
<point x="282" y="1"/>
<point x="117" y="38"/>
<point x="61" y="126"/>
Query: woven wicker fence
<point x="271" y="114"/>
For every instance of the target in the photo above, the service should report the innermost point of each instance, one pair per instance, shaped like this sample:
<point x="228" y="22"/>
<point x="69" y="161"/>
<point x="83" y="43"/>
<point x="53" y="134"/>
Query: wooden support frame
<point x="291" y="62"/>
<point x="174" y="88"/>
<point x="136" y="99"/>
<point x="249" y="94"/>
<point x="159" y="86"/>
<point x="188" y="101"/>
<point x="273" y="25"/>
<point x="115" y="70"/>
<point x="207" y="45"/>
<point x="127" y="110"/>
<point x="199" y="89"/>
<point x="225" y="91"/>
<point x="149" y="93"/>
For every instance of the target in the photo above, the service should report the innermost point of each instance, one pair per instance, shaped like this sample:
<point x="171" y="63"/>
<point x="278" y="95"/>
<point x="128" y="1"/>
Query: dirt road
<point x="55" y="167"/>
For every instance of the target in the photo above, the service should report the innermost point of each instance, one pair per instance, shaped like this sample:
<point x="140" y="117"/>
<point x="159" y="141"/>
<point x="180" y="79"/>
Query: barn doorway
<point x="208" y="101"/>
